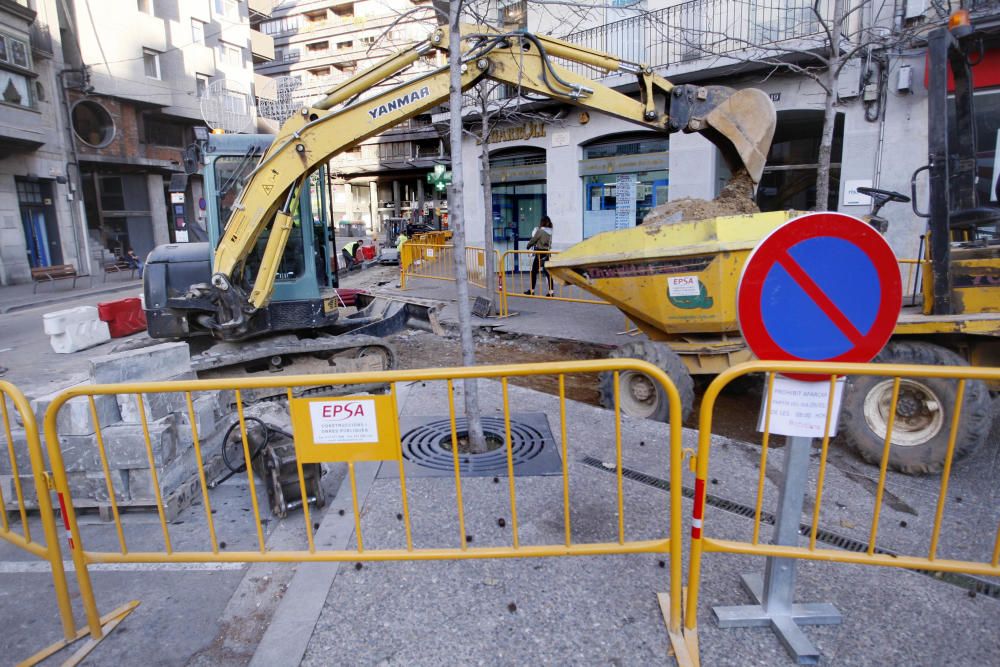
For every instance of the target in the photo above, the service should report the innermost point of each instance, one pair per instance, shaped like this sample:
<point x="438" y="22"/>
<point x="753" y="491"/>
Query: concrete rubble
<point x="164" y="416"/>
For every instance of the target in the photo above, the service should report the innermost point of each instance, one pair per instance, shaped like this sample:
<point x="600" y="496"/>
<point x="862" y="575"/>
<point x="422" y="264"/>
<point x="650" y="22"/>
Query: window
<point x="162" y="132"/>
<point x="986" y="107"/>
<point x="514" y="13"/>
<point x="14" y="89"/>
<point x="624" y="178"/>
<point x="198" y="32"/>
<point x="789" y="179"/>
<point x="230" y="54"/>
<point x="201" y="82"/>
<point x="145" y="6"/>
<point x="235" y="103"/>
<point x="229" y="9"/>
<point x="151" y="63"/>
<point x="394" y="150"/>
<point x="15" y="52"/>
<point x="315" y="48"/>
<point x="319" y="72"/>
<point x="345" y="46"/>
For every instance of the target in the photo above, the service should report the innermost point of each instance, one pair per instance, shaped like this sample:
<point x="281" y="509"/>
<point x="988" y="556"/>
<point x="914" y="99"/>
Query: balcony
<point x="260" y="9"/>
<point x="261" y="47"/>
<point x="709" y="29"/>
<point x="41" y="40"/>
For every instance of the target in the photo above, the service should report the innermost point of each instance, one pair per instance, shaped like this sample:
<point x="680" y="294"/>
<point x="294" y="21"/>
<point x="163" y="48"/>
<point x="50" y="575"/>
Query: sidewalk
<point x="23" y="296"/>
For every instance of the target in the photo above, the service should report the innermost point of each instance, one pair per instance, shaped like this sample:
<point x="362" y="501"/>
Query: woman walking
<point x="541" y="241"/>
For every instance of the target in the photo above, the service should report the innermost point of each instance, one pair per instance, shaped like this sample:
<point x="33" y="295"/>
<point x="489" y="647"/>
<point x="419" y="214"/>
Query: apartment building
<point x="320" y="43"/>
<point x="101" y="109"/>
<point x="41" y="222"/>
<point x="880" y="130"/>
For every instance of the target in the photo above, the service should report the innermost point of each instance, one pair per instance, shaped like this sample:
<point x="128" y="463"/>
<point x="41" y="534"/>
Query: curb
<point x="68" y="296"/>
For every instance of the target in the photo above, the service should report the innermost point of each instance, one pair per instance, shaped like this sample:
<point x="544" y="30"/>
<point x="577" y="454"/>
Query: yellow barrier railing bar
<point x="765" y="441"/>
<point x="619" y="482"/>
<point x="153" y="474"/>
<point x="201" y="472"/>
<point x="507" y="265"/>
<point x="455" y="466"/>
<point x="50" y="551"/>
<point x="824" y="449"/>
<point x="402" y="473"/>
<point x="702" y="542"/>
<point x="249" y="465"/>
<point x="357" y="511"/>
<point x="107" y="474"/>
<point x="946" y="472"/>
<point x="303" y="494"/>
<point x="565" y="461"/>
<point x="16" y="474"/>
<point x="510" y="462"/>
<point x="883" y="468"/>
<point x="995" y="560"/>
<point x="669" y="542"/>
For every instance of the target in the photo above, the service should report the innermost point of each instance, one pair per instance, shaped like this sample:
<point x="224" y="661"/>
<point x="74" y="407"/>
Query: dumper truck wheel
<point x="640" y="395"/>
<point x="924" y="412"/>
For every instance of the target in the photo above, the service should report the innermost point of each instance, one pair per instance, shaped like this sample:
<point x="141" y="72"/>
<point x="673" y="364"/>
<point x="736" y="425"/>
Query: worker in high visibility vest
<point x="350" y="251"/>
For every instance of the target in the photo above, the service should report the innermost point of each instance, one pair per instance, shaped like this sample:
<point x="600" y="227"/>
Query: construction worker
<point x="350" y="251"/>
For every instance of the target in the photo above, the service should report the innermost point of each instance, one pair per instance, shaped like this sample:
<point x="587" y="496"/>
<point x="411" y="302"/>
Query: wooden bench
<point x="53" y="273"/>
<point x="119" y="266"/>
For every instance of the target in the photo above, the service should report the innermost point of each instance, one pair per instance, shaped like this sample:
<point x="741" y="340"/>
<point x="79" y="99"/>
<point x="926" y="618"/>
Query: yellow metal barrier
<point x="437" y="262"/>
<point x="49" y="549"/>
<point x="516" y="272"/>
<point x="388" y="448"/>
<point x="702" y="541"/>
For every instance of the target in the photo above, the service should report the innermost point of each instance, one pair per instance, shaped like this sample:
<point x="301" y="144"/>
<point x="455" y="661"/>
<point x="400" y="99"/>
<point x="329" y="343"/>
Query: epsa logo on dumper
<point x="399" y="102"/>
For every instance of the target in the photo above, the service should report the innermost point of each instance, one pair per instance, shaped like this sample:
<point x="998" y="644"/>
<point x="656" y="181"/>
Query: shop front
<point x="519" y="196"/>
<point x="624" y="178"/>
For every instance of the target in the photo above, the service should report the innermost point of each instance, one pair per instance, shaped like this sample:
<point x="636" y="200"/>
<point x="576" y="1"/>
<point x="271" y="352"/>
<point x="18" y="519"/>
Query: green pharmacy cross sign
<point x="439" y="178"/>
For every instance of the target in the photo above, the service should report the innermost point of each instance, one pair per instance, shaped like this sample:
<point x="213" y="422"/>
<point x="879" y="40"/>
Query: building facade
<point x="111" y="96"/>
<point x="579" y="160"/>
<point x="320" y="43"/>
<point x="41" y="221"/>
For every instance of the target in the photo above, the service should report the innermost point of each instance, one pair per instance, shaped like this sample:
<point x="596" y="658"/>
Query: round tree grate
<point x="427" y="452"/>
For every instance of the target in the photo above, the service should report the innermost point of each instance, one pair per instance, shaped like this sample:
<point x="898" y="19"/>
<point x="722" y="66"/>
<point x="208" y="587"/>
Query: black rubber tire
<point x="927" y="456"/>
<point x="662" y="357"/>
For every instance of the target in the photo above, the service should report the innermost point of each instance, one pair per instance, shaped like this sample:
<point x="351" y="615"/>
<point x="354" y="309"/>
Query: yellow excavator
<point x="230" y="296"/>
<point x="235" y="301"/>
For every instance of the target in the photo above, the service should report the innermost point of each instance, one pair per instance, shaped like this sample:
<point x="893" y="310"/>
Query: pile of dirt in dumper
<point x="736" y="198"/>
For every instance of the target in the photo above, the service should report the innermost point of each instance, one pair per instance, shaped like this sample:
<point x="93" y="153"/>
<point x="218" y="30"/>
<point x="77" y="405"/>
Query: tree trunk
<point x="484" y="176"/>
<point x="830" y="78"/>
<point x="456" y="216"/>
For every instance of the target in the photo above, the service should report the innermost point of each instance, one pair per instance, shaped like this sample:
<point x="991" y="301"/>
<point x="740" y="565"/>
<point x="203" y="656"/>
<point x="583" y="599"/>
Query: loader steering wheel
<point x="883" y="197"/>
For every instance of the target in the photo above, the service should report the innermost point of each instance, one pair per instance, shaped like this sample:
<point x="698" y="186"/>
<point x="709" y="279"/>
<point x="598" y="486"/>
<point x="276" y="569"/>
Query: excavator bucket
<point x="741" y="123"/>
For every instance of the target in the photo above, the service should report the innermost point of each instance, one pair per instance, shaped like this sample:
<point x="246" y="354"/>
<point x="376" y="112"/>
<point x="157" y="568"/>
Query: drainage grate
<point x="427" y="440"/>
<point x="968" y="582"/>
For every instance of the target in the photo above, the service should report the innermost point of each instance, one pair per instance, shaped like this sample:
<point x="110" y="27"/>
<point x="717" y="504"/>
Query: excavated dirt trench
<point x="736" y="411"/>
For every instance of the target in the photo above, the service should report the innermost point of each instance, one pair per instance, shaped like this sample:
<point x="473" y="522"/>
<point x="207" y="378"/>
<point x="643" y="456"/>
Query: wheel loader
<point x="953" y="319"/>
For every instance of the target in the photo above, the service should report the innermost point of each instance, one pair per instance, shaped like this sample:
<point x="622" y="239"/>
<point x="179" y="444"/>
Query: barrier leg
<point x="776" y="591"/>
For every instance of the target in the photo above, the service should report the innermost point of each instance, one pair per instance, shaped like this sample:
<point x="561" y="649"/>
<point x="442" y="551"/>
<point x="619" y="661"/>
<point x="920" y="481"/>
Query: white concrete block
<point x="75" y="329"/>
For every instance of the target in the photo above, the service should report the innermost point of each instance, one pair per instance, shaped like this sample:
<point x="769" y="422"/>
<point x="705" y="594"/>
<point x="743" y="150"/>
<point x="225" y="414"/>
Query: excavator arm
<point x="740" y="122"/>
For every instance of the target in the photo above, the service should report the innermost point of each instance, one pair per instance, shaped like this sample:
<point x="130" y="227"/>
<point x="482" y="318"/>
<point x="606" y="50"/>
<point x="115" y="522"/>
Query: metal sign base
<point x="774" y="593"/>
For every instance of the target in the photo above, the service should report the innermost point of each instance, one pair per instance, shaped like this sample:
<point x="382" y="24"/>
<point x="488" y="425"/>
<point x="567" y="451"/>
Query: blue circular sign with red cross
<point x="822" y="287"/>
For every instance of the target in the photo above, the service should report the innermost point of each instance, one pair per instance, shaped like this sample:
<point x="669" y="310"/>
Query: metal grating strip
<point x="965" y="581"/>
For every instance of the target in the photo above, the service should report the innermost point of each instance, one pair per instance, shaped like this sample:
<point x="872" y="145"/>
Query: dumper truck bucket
<point x="740" y="122"/>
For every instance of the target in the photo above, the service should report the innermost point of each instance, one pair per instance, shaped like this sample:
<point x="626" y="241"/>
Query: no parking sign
<point x="822" y="287"/>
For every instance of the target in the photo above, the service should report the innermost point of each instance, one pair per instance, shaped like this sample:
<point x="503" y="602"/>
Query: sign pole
<point x="774" y="594"/>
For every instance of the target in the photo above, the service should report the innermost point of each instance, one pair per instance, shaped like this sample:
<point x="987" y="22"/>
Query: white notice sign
<point x="799" y="408"/>
<point x="683" y="286"/>
<point x="343" y="422"/>
<point x="625" y="186"/>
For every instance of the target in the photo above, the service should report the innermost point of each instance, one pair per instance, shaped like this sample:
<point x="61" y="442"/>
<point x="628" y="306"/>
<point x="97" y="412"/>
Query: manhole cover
<point x="427" y="448"/>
